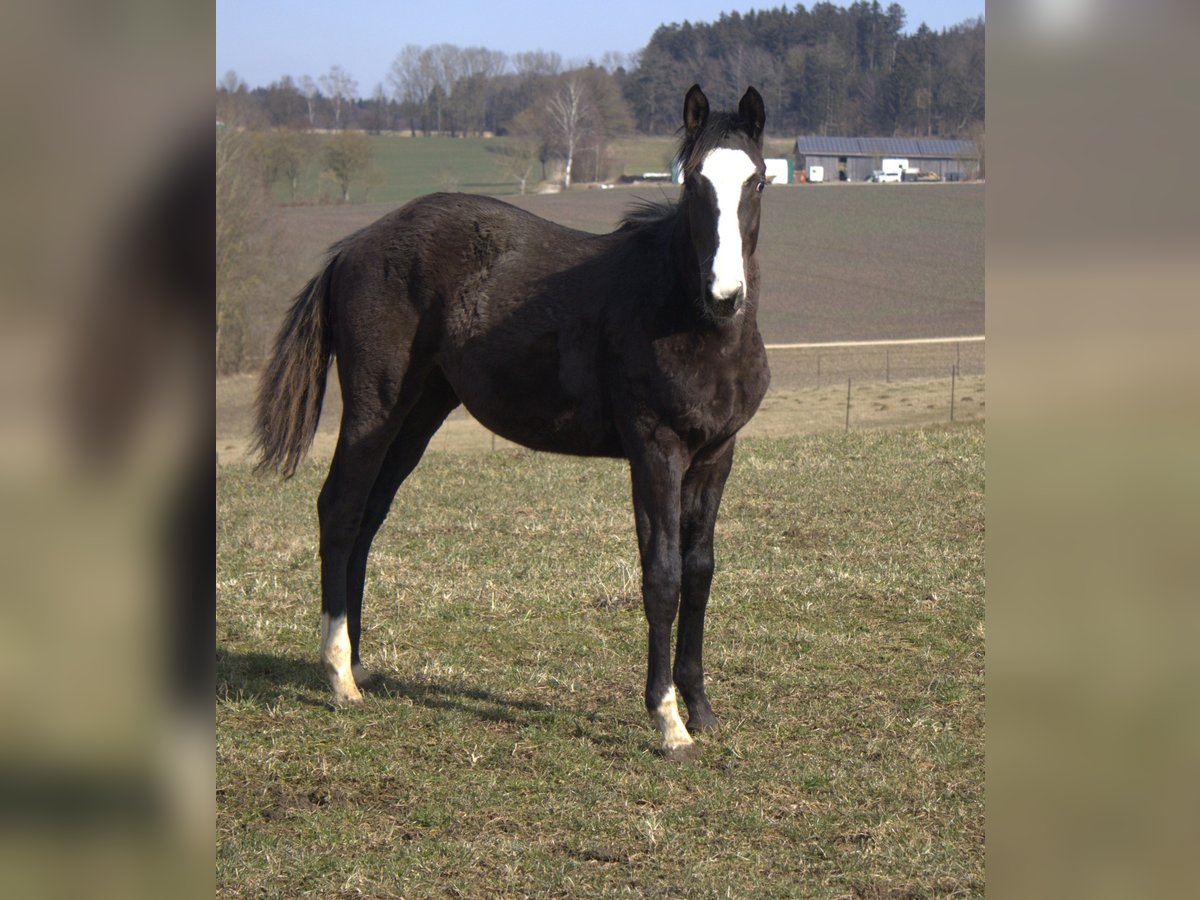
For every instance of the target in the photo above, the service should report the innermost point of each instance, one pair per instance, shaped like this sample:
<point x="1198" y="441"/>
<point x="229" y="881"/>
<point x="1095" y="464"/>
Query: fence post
<point x="953" y="374"/>
<point x="818" y="370"/>
<point x="888" y="370"/>
<point x="847" y="404"/>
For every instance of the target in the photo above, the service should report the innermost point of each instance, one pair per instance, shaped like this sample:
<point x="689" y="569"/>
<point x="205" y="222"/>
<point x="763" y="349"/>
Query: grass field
<point x="504" y="750"/>
<point x="409" y="167"/>
<point x="406" y="167"/>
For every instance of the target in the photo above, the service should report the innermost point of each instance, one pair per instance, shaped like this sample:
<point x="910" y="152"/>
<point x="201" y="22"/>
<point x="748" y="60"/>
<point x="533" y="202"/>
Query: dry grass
<point x="504" y="751"/>
<point x="801" y="408"/>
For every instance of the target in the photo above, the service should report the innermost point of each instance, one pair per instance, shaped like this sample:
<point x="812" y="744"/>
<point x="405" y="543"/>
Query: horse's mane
<point x="693" y="148"/>
<point x="647" y="215"/>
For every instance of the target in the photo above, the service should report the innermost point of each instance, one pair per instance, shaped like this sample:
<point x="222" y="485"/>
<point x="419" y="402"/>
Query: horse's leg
<point x="703" y="485"/>
<point x="356" y="464"/>
<point x="656" y="471"/>
<point x="377" y="395"/>
<point x="436" y="402"/>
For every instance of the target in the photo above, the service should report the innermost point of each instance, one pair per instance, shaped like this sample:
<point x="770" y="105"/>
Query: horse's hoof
<point x="682" y="753"/>
<point x="347" y="695"/>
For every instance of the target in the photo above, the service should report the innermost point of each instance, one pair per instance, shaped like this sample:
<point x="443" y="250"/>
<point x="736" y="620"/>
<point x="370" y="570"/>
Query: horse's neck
<point x="686" y="266"/>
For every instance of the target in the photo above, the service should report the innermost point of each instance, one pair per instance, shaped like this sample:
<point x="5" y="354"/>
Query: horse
<point x="641" y="344"/>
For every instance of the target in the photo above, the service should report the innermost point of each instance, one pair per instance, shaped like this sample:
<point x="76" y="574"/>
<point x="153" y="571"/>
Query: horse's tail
<point x="293" y="383"/>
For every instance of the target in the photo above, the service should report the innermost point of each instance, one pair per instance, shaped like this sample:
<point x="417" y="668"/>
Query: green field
<point x="504" y="750"/>
<point x="405" y="167"/>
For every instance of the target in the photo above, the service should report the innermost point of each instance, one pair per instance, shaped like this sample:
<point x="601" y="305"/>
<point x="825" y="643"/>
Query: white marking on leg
<point x="728" y="171"/>
<point x="335" y="656"/>
<point x="666" y="717"/>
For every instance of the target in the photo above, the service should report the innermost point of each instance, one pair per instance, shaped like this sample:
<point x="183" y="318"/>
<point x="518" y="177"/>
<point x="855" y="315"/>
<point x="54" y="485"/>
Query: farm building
<point x="855" y="158"/>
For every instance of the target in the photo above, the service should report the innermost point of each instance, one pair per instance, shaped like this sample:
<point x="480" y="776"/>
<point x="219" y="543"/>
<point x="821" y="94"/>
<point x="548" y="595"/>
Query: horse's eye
<point x="758" y="188"/>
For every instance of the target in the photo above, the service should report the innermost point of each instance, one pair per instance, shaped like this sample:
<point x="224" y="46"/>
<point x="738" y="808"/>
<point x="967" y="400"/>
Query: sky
<point x="263" y="40"/>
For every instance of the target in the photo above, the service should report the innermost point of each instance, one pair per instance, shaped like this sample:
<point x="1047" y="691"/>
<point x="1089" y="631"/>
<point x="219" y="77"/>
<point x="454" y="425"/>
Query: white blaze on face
<point x="727" y="170"/>
<point x="335" y="656"/>
<point x="666" y="717"/>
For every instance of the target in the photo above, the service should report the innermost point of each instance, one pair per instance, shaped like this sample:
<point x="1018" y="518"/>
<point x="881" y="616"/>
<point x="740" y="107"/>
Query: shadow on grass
<point x="267" y="678"/>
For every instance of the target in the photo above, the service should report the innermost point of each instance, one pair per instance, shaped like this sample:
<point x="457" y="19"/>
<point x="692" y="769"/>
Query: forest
<point x="827" y="69"/>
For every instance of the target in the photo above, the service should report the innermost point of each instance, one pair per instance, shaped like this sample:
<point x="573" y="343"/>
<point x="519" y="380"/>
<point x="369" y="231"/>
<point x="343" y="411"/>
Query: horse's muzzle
<point x="725" y="307"/>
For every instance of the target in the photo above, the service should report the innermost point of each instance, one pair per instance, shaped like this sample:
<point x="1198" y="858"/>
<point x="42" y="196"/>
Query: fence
<point x="814" y="388"/>
<point x="798" y="366"/>
<point x="871" y="384"/>
<point x="837" y="385"/>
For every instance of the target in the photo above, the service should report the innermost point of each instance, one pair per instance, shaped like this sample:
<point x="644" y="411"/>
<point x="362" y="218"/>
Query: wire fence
<point x="797" y="366"/>
<point x="871" y="384"/>
<point x="814" y="388"/>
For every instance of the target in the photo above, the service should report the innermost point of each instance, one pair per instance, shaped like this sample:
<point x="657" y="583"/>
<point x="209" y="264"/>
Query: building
<point x="855" y="158"/>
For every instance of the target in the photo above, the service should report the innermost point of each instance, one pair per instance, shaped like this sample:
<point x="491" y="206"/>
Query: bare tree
<point x="569" y="112"/>
<point x="482" y="61"/>
<point x="411" y="79"/>
<point x="308" y="88"/>
<point x="234" y="104"/>
<point x="341" y="88"/>
<point x="537" y="62"/>
<point x="612" y="60"/>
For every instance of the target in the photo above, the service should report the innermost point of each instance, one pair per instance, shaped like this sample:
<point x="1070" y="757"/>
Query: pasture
<point x="504" y="749"/>
<point x="405" y="167"/>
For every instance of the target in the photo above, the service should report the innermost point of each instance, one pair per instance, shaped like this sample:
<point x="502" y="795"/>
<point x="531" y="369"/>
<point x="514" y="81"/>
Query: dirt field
<point x="839" y="262"/>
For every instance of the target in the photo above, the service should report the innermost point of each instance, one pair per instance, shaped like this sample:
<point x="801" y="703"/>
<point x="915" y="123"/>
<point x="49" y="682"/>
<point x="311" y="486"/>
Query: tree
<point x="570" y="112"/>
<point x="537" y="62"/>
<point x="377" y="118"/>
<point x="411" y="79"/>
<point x="283" y="103"/>
<point x="518" y="155"/>
<point x="282" y="154"/>
<point x="341" y="88"/>
<point x="235" y="107"/>
<point x="347" y="157"/>
<point x="308" y="90"/>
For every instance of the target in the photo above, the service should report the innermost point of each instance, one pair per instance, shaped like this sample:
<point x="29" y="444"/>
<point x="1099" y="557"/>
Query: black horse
<point x="640" y="344"/>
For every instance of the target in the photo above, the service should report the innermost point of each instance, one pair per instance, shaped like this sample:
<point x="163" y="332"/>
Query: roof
<point x="818" y="145"/>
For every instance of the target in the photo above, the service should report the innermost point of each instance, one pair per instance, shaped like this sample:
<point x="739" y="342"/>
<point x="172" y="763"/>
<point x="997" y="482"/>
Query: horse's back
<point x="510" y="307"/>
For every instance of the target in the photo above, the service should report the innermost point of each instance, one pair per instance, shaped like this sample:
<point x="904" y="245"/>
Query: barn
<point x="855" y="158"/>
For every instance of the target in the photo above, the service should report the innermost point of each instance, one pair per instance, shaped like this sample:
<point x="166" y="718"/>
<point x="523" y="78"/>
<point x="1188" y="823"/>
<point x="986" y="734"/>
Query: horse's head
<point x="724" y="176"/>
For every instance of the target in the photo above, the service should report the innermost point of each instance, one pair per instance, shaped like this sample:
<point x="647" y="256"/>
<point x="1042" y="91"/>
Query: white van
<point x="881" y="177"/>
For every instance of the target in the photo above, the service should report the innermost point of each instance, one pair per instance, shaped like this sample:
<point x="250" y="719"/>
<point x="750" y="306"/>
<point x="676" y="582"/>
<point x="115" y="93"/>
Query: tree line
<point x="824" y="70"/>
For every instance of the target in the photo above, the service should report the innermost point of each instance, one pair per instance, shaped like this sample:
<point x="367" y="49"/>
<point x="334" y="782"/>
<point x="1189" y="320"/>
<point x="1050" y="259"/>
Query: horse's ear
<point x="752" y="113"/>
<point x="695" y="110"/>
